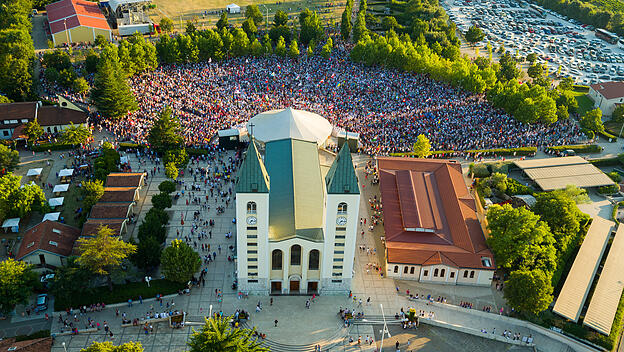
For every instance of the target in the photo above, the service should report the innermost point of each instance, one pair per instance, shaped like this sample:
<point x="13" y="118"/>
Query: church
<point x="297" y="208"/>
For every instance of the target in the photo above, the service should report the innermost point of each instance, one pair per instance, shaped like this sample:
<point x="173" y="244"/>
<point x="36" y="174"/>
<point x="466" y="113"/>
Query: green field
<point x="585" y="103"/>
<point x="181" y="11"/>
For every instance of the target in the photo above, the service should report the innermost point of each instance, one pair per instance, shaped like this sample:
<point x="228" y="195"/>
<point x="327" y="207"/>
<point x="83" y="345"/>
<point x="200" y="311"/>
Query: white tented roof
<point x="55" y="202"/>
<point x="229" y="132"/>
<point x="34" y="172"/>
<point x="231" y="7"/>
<point x="66" y="172"/>
<point x="51" y="216"/>
<point x="290" y="123"/>
<point x="60" y="188"/>
<point x="11" y="222"/>
<point x="116" y="3"/>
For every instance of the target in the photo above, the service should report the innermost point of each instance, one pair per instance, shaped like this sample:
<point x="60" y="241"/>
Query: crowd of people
<point x="387" y="108"/>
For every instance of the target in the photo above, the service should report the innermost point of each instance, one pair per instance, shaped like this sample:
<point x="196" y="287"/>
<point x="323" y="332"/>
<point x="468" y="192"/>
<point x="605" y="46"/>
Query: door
<point x="294" y="286"/>
<point x="276" y="287"/>
<point x="312" y="287"/>
<point x="42" y="259"/>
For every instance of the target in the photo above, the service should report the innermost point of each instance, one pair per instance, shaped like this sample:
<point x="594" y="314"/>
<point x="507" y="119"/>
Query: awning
<point x="51" y="216"/>
<point x="34" y="172"/>
<point x="55" y="202"/>
<point x="66" y="172"/>
<point x="11" y="223"/>
<point x="60" y="188"/>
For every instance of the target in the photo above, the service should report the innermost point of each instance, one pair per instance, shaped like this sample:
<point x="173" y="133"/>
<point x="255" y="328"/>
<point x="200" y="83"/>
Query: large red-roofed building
<point x="432" y="230"/>
<point x="76" y="21"/>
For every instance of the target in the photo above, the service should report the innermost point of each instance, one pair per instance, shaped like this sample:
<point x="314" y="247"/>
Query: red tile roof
<point x="118" y="194"/>
<point x="56" y="115"/>
<point x="75" y="13"/>
<point x="109" y="211"/>
<point x="429" y="215"/>
<point x="609" y="90"/>
<point x="124" y="179"/>
<point x="36" y="345"/>
<point x="49" y="236"/>
<point x="91" y="227"/>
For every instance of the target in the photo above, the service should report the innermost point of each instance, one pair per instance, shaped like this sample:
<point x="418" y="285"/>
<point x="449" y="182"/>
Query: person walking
<point x="275" y="322"/>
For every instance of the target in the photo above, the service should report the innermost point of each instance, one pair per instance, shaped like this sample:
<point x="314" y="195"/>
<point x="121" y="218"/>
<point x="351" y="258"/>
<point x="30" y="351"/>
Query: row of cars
<point x="567" y="47"/>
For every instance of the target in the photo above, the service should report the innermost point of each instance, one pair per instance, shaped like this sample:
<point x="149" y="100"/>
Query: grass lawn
<point x="23" y="168"/>
<point x="72" y="202"/>
<point x="614" y="128"/>
<point x="584" y="101"/>
<point x="184" y="10"/>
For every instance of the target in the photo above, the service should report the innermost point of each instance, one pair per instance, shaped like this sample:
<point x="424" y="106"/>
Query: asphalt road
<point x="8" y="329"/>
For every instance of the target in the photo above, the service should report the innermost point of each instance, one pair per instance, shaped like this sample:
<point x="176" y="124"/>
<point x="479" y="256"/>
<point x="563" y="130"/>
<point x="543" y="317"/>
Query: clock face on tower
<point x="341" y="221"/>
<point x="251" y="220"/>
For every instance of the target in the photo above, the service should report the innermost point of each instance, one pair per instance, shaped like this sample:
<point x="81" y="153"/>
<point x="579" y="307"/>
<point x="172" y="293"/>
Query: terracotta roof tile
<point x="92" y="225"/>
<point x="109" y="211"/>
<point x="49" y="236"/>
<point x="118" y="194"/>
<point x="610" y="90"/>
<point x="75" y="13"/>
<point x="124" y="179"/>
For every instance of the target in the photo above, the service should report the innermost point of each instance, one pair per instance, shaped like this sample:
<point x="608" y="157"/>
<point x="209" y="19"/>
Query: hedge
<point x="197" y="151"/>
<point x="35" y="335"/>
<point x="52" y="146"/>
<point x="580" y="88"/>
<point x="126" y="146"/>
<point x="120" y="293"/>
<point x="615" y="211"/>
<point x="579" y="148"/>
<point x="498" y="151"/>
<point x="608" y="136"/>
<point x="605" y="162"/>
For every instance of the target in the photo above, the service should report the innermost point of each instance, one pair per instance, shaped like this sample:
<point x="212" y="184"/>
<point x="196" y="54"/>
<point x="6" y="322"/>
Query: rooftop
<point x="609" y="90"/>
<point x="341" y="178"/>
<point x="49" y="236"/>
<point x="429" y="215"/>
<point x="557" y="173"/>
<point x="124" y="179"/>
<point x="118" y="194"/>
<point x="74" y="13"/>
<point x="109" y="211"/>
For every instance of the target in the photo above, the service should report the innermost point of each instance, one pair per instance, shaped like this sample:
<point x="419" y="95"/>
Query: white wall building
<point x="607" y="96"/>
<point x="296" y="216"/>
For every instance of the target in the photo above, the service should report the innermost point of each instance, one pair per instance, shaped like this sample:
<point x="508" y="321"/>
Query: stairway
<point x="337" y="339"/>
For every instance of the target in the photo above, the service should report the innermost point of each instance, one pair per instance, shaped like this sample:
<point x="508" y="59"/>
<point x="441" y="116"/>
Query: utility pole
<point x="266" y="25"/>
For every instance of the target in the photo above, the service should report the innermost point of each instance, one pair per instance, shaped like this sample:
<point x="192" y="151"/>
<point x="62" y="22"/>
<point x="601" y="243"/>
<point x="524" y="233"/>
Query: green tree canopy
<point x="293" y="49"/>
<point x="280" y="48"/>
<point x="535" y="70"/>
<point x="561" y="214"/>
<point x="70" y="280"/>
<point x="311" y="28"/>
<point x="223" y="21"/>
<point x="345" y="23"/>
<point x="92" y="191"/>
<point x="280" y="18"/>
<point x="474" y="34"/>
<point x="109" y="347"/>
<point x="17" y="280"/>
<point x="529" y="291"/>
<point x="327" y="48"/>
<point x="161" y="201"/>
<point x="166" y="132"/>
<point x="76" y="134"/>
<point x="103" y="253"/>
<point x="250" y="28"/>
<point x="531" y="58"/>
<point x="508" y="68"/>
<point x="171" y="171"/>
<point x="422" y="147"/>
<point x="254" y="13"/>
<point x="618" y="114"/>
<point x="167" y="187"/>
<point x="166" y="24"/>
<point x="111" y="93"/>
<point x="148" y="254"/>
<point x="33" y="130"/>
<point x="179" y="262"/>
<point x="9" y="159"/>
<point x="219" y="335"/>
<point x="592" y="120"/>
<point x="17" y="200"/>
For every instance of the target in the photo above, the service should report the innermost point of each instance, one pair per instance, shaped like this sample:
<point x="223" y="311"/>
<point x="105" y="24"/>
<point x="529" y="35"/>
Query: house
<point x="53" y="119"/>
<point x="47" y="244"/>
<point x="432" y="232"/>
<point x="125" y="179"/>
<point x="76" y="21"/>
<point x="607" y="96"/>
<point x="120" y="194"/>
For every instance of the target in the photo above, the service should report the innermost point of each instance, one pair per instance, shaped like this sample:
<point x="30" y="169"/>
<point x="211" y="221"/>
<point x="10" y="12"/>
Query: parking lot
<point x="566" y="46"/>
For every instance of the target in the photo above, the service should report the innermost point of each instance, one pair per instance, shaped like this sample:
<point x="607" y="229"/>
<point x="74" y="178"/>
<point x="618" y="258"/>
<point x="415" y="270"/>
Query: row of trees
<point x="601" y="13"/>
<point x="531" y="244"/>
<point x="59" y="70"/>
<point x="17" y="51"/>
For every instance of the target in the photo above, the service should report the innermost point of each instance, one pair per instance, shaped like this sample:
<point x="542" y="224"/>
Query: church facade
<point x="296" y="216"/>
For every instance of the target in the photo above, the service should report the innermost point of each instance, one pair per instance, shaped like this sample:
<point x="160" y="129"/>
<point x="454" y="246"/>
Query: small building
<point x="119" y="195"/>
<point x="233" y="8"/>
<point x="125" y="179"/>
<point x="53" y="119"/>
<point x="557" y="173"/>
<point x="47" y="244"/>
<point x="431" y="227"/>
<point x="111" y="210"/>
<point x="76" y="21"/>
<point x="607" y="96"/>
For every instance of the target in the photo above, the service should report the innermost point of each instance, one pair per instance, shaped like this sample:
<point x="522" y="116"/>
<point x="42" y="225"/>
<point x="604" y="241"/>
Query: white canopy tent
<point x="289" y="123"/>
<point x="66" y="172"/>
<point x="51" y="216"/>
<point x="233" y="8"/>
<point x="60" y="188"/>
<point x="34" y="172"/>
<point x="56" y="202"/>
<point x="12" y="224"/>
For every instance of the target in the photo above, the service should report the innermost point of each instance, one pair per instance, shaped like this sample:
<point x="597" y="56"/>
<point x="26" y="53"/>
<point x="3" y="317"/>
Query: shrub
<point x="608" y="189"/>
<point x="608" y="136"/>
<point x="51" y="146"/>
<point x="579" y="148"/>
<point x="35" y="335"/>
<point x="523" y="151"/>
<point x="158" y="215"/>
<point x="126" y="146"/>
<point x="514" y="187"/>
<point x="161" y="201"/>
<point x="480" y="170"/>
<point x="605" y="162"/>
<point x="167" y="187"/>
<point x="616" y="177"/>
<point x="500" y="167"/>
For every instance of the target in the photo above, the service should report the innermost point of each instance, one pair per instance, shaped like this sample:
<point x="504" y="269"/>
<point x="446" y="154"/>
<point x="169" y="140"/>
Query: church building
<point x="297" y="208"/>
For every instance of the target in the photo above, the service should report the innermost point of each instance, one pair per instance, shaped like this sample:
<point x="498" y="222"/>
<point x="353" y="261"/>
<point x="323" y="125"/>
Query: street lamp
<point x="266" y="25"/>
<point x="65" y="348"/>
<point x="210" y="315"/>
<point x="385" y="328"/>
<point x="66" y="32"/>
<point x="148" y="279"/>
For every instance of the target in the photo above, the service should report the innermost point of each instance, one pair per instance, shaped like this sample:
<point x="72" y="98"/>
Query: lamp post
<point x="148" y="279"/>
<point x="385" y="328"/>
<point x="66" y="32"/>
<point x="210" y="314"/>
<point x="65" y="348"/>
<point x="266" y="25"/>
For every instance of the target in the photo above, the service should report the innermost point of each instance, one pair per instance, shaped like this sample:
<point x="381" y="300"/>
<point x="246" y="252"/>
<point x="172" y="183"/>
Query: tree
<point x="179" y="262"/>
<point x="9" y="159"/>
<point x="615" y="176"/>
<point x="474" y="34"/>
<point x="17" y="280"/>
<point x="578" y="195"/>
<point x="166" y="132"/>
<point x="33" y="130"/>
<point x="508" y="68"/>
<point x="223" y="21"/>
<point x="250" y="28"/>
<point x="389" y="23"/>
<point x="92" y="191"/>
<point x="519" y="239"/>
<point x="219" y="335"/>
<point x="240" y="45"/>
<point x="531" y="58"/>
<point x="256" y="48"/>
<point x="111" y="93"/>
<point x="254" y="13"/>
<point x="76" y="134"/>
<point x="561" y="214"/>
<point x="103" y="253"/>
<point x="148" y="254"/>
<point x="280" y="48"/>
<point x="327" y="48"/>
<point x="18" y="200"/>
<point x="190" y="27"/>
<point x="167" y="187"/>
<point x="359" y="29"/>
<point x="618" y="114"/>
<point x="161" y="200"/>
<point x="535" y="71"/>
<point x="152" y="228"/>
<point x="293" y="49"/>
<point x="280" y="19"/>
<point x="311" y="28"/>
<point x="171" y="171"/>
<point x="109" y="347"/>
<point x="566" y="84"/>
<point x="157" y="215"/>
<point x="59" y="59"/>
<point x="345" y="23"/>
<point x="592" y="120"/>
<point x="80" y="85"/>
<point x="529" y="291"/>
<point x="166" y="24"/>
<point x="422" y="147"/>
<point x="267" y="46"/>
<point x="4" y="99"/>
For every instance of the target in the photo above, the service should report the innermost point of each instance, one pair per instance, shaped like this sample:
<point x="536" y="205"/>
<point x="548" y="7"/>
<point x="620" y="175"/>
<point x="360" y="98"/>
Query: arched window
<point x="396" y="269"/>
<point x="472" y="274"/>
<point x="276" y="260"/>
<point x="442" y="272"/>
<point x="465" y="274"/>
<point x="435" y="273"/>
<point x="295" y="255"/>
<point x="251" y="207"/>
<point x="405" y="270"/>
<point x="411" y="270"/>
<point x="342" y="208"/>
<point x="313" y="263"/>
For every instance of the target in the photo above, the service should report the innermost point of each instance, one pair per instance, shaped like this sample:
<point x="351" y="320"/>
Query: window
<point x="338" y="252"/>
<point x="252" y="281"/>
<point x="252" y="228"/>
<point x="340" y="229"/>
<point x="426" y="273"/>
<point x="295" y="255"/>
<point x="435" y="273"/>
<point x="252" y="259"/>
<point x="342" y="208"/>
<point x="251" y="207"/>
<point x="486" y="262"/>
<point x="252" y="236"/>
<point x="472" y="274"/>
<point x="412" y="270"/>
<point x="340" y="237"/>
<point x="452" y="274"/>
<point x="336" y="274"/>
<point x="338" y="267"/>
<point x="405" y="270"/>
<point x="442" y="273"/>
<point x="252" y="244"/>
<point x="252" y="251"/>
<point x="339" y="244"/>
<point x="337" y="281"/>
<point x="314" y="260"/>
<point x="396" y="269"/>
<point x="465" y="274"/>
<point x="276" y="260"/>
<point x="252" y="267"/>
<point x="338" y="259"/>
